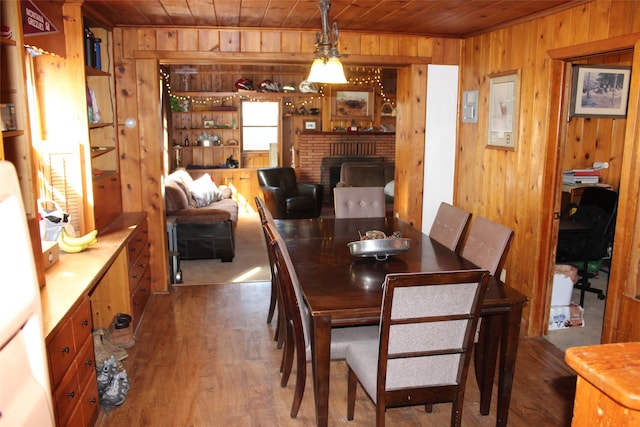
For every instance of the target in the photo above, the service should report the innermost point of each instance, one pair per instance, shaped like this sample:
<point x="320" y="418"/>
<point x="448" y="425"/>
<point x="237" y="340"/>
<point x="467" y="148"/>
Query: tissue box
<point x="50" y="253"/>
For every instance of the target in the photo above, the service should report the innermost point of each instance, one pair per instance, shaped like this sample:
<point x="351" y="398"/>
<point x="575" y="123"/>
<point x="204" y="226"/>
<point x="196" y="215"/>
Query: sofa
<point x="369" y="174"/>
<point x="205" y="216"/>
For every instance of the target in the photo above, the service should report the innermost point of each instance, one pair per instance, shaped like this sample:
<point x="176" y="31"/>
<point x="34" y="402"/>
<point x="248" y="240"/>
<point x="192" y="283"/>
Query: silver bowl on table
<point x="380" y="249"/>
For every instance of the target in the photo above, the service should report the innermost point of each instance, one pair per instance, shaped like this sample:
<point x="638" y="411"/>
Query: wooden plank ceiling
<point x="443" y="18"/>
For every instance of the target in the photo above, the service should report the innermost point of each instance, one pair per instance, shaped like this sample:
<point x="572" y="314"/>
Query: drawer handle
<point x="113" y="179"/>
<point x="101" y="186"/>
<point x="85" y="323"/>
<point x="143" y="265"/>
<point x="135" y="276"/>
<point x="71" y="394"/>
<point x="89" y="362"/>
<point x="93" y="401"/>
<point x="136" y="303"/>
<point x="139" y="239"/>
<point x="66" y="350"/>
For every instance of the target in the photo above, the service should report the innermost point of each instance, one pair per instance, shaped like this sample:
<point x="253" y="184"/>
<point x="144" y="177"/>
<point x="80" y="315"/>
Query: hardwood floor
<point x="205" y="357"/>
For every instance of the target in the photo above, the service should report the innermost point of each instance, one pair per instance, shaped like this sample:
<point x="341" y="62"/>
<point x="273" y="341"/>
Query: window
<point x="260" y="125"/>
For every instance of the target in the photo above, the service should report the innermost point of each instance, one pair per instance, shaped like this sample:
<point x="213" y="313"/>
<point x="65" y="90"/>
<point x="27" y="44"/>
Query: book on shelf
<point x="581" y="176"/>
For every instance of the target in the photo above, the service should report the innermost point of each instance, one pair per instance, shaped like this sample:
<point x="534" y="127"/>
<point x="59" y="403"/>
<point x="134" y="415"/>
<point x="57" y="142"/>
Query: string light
<point x="361" y="76"/>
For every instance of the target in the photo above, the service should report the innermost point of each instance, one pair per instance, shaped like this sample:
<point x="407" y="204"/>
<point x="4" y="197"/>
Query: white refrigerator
<point x="25" y="394"/>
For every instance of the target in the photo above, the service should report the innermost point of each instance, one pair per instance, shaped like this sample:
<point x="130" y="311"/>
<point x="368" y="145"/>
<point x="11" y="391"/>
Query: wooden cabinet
<point x="79" y="153"/>
<point x="102" y="131"/>
<point x="15" y="139"/>
<point x="126" y="286"/>
<point x="607" y="387"/>
<point x="72" y="368"/>
<point x="139" y="277"/>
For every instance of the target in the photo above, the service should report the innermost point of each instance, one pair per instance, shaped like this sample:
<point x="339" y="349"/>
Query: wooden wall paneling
<point x="270" y="42"/>
<point x="128" y="139"/>
<point x="229" y="41"/>
<point x="146" y="39"/>
<point x="370" y="44"/>
<point x="250" y="41"/>
<point x="152" y="168"/>
<point x="208" y="40"/>
<point x="579" y="22"/>
<point x="410" y="137"/>
<point x="187" y="40"/>
<point x="620" y="23"/>
<point x="408" y="46"/>
<point x="166" y="39"/>
<point x="291" y="42"/>
<point x="349" y="43"/>
<point x="598" y="13"/>
<point x="389" y="45"/>
<point x="622" y="310"/>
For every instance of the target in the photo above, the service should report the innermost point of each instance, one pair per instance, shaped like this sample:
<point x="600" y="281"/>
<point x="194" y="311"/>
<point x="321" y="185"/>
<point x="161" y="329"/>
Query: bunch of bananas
<point x="72" y="245"/>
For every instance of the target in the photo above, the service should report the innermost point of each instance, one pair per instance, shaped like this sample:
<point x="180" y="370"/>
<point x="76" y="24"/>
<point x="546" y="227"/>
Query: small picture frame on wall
<point x="352" y="104"/>
<point x="311" y="125"/>
<point x="504" y="94"/>
<point x="599" y="91"/>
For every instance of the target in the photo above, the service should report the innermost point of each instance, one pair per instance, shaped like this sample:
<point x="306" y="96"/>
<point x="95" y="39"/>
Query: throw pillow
<point x="204" y="191"/>
<point x="389" y="189"/>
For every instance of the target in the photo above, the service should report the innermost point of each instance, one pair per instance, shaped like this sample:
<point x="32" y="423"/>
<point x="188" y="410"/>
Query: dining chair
<point x="359" y="202"/>
<point x="487" y="245"/>
<point x="298" y="322"/>
<point x="449" y="225"/>
<point x="274" y="300"/>
<point x="423" y="352"/>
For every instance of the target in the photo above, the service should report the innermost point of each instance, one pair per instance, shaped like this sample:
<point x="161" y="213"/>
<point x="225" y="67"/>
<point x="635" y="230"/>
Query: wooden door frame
<point x="619" y="281"/>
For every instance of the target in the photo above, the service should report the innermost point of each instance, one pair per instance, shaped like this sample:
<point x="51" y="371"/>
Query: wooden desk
<point x="343" y="290"/>
<point x="607" y="392"/>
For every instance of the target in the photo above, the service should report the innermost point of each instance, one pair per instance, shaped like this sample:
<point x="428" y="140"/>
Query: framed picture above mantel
<point x="352" y="103"/>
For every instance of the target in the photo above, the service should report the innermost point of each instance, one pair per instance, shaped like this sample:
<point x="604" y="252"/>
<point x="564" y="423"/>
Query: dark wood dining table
<point x="341" y="289"/>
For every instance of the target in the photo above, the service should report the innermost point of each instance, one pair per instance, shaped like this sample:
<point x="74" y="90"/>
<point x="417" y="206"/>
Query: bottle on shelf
<point x="186" y="141"/>
<point x="89" y="48"/>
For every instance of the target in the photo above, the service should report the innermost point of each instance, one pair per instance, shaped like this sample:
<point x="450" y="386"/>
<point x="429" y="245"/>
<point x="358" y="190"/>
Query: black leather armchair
<point x="287" y="198"/>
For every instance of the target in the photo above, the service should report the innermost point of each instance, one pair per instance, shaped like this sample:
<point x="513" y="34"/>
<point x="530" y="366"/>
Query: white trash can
<point x="564" y="278"/>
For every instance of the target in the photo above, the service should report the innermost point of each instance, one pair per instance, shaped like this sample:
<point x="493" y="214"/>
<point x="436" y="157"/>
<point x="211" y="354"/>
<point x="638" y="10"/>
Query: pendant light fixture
<point x="326" y="66"/>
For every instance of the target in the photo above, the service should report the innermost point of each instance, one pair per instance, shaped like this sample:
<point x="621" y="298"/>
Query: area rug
<point x="250" y="263"/>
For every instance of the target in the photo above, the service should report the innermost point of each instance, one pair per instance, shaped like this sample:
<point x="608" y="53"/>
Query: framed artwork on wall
<point x="348" y="104"/>
<point x="599" y="91"/>
<point x="504" y="94"/>
<point x="311" y="125"/>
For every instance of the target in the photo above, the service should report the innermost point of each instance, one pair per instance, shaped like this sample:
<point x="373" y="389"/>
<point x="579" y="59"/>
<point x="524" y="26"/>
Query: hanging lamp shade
<point x="326" y="66"/>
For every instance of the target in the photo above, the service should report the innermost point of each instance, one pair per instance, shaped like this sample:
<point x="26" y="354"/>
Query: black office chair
<point x="597" y="209"/>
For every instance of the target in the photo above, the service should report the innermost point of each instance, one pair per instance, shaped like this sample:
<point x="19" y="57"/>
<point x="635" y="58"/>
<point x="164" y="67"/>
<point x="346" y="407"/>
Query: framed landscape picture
<point x="599" y="91"/>
<point x="352" y="104"/>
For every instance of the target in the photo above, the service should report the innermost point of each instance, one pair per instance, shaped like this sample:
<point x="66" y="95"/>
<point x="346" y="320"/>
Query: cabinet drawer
<point x="107" y="199"/>
<point x="61" y="351"/>
<point x="81" y="323"/>
<point x="136" y="272"/>
<point x="138" y="243"/>
<point x="89" y="402"/>
<point x="86" y="362"/>
<point x="66" y="396"/>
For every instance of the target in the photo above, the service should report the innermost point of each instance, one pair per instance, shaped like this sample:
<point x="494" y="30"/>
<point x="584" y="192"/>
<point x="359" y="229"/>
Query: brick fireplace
<point x="320" y="154"/>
